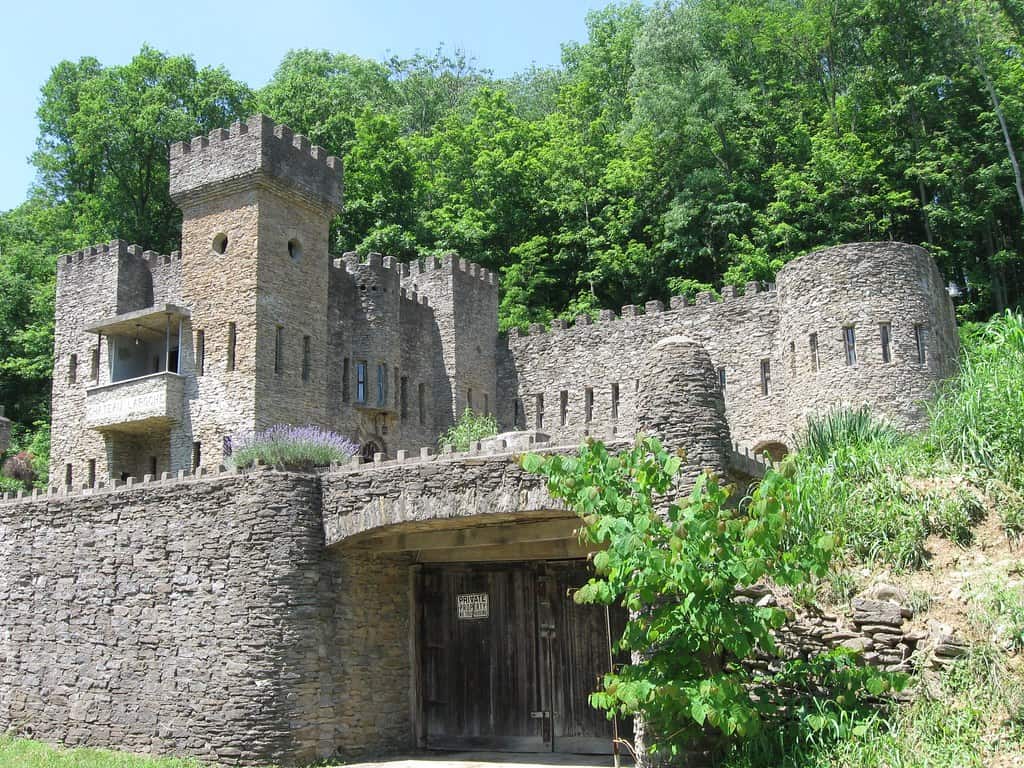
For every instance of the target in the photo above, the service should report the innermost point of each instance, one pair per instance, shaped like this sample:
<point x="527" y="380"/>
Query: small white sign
<point x="474" y="605"/>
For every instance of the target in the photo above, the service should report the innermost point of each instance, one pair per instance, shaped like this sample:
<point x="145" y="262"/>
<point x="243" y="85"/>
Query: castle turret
<point x="866" y="323"/>
<point x="257" y="203"/>
<point x="679" y="402"/>
<point x="464" y="299"/>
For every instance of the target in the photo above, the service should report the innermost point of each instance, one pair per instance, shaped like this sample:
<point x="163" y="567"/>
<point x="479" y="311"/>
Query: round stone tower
<point x="864" y="323"/>
<point x="680" y="403"/>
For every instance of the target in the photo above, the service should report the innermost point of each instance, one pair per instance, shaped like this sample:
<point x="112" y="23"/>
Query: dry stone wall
<point x="200" y="618"/>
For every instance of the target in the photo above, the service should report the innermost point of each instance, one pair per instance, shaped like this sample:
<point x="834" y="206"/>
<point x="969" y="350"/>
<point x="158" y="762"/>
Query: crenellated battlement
<point x="227" y="158"/>
<point x="353" y="263"/>
<point x="413" y="297"/>
<point x="117" y="249"/>
<point x="677" y="305"/>
<point x="449" y="263"/>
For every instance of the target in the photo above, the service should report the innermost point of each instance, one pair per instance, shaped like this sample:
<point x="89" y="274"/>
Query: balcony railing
<point x="133" y="404"/>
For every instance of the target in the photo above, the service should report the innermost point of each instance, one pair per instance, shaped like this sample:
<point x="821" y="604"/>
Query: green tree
<point x="380" y="191"/>
<point x="677" y="566"/>
<point x="105" y="136"/>
<point x="322" y="95"/>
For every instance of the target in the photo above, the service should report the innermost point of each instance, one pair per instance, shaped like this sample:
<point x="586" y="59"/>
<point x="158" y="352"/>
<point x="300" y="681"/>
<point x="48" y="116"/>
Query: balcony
<point x="136" y="405"/>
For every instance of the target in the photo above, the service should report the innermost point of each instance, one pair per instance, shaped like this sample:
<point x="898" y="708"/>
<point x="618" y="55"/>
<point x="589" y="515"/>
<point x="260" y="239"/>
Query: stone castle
<point x="157" y="602"/>
<point x="162" y="360"/>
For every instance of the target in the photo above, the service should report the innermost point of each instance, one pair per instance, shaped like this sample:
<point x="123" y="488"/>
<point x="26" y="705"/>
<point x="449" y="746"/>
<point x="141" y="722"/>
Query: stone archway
<point x="775" y="449"/>
<point x="371" y="447"/>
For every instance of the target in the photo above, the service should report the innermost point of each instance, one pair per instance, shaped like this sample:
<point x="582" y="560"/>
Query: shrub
<point x="470" y="427"/>
<point x="295" y="448"/>
<point x="20" y="467"/>
<point x="676" y="565"/>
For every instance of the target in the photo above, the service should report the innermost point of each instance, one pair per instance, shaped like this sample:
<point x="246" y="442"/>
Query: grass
<point x="25" y="753"/>
<point x="884" y="492"/>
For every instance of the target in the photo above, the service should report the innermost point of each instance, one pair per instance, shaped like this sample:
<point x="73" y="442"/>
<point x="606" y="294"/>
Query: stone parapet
<point x="256" y="148"/>
<point x="136" y="403"/>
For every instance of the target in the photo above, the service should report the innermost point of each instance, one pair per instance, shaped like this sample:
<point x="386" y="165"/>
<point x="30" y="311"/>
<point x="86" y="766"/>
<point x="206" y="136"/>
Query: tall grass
<point x="882" y="492"/>
<point x="844" y="429"/>
<point x="850" y="474"/>
<point x="978" y="417"/>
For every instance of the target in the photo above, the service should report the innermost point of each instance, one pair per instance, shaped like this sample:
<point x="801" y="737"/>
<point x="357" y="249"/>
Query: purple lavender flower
<point x="286" y="446"/>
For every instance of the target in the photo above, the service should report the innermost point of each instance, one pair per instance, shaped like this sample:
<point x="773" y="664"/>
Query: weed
<point x="470" y="427"/>
<point x="999" y="613"/>
<point x="919" y="601"/>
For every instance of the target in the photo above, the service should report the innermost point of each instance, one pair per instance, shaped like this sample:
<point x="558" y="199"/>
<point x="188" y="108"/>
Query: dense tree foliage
<point x="682" y="145"/>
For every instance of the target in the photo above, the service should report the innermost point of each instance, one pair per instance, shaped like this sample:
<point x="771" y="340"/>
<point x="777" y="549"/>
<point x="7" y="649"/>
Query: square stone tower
<point x="257" y="203"/>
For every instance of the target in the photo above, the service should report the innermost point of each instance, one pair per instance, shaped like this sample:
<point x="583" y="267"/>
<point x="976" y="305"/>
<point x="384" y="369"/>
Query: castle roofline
<point x="258" y="148"/>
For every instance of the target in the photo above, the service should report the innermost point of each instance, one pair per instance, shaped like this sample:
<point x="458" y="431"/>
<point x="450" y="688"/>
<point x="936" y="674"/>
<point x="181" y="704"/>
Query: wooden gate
<point x="508" y="660"/>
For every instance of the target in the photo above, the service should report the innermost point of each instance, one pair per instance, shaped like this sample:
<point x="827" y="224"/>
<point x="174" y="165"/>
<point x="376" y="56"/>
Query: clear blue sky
<point x="250" y="38"/>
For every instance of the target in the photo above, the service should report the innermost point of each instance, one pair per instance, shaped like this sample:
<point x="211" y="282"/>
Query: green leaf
<point x="531" y="462"/>
<point x="698" y="712"/>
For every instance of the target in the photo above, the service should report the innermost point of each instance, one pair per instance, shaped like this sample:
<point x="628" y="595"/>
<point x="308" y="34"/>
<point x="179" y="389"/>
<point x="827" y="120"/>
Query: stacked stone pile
<point x="877" y="628"/>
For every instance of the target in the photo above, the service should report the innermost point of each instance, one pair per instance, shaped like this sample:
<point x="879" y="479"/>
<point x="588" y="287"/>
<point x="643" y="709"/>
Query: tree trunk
<point x="997" y="106"/>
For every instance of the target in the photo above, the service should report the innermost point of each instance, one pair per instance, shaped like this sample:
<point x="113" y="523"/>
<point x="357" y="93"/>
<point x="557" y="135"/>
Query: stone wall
<point x="5" y="431"/>
<point x="464" y="300"/>
<point x="242" y="618"/>
<point x="861" y="285"/>
<point x="864" y="286"/>
<point x="610" y="355"/>
<point x="182" y="618"/>
<point x="429" y="489"/>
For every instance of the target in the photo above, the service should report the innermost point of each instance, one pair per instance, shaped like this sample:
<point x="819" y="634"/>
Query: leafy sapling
<point x="678" y="565"/>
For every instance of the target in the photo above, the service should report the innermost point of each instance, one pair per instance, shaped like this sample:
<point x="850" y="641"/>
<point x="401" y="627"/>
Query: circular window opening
<point x="220" y="244"/>
<point x="295" y="249"/>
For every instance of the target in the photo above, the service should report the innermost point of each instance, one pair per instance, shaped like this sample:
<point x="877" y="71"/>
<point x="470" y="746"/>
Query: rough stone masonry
<point x="161" y="362"/>
<point x="152" y="602"/>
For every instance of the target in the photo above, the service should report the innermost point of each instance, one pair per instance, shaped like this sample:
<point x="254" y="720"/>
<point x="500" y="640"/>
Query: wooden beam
<point x="540" y="550"/>
<point x="480" y="536"/>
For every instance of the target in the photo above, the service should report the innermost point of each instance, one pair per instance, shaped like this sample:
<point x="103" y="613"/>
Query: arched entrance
<point x="502" y="658"/>
<point x="776" y="451"/>
<point x="370" y="447"/>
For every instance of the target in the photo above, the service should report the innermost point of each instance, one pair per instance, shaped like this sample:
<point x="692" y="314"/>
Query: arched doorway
<point x="776" y="451"/>
<point x="370" y="447"/>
